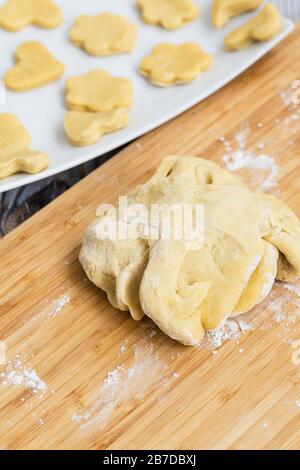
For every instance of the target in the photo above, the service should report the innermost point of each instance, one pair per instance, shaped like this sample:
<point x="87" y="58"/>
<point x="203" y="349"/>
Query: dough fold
<point x="190" y="283"/>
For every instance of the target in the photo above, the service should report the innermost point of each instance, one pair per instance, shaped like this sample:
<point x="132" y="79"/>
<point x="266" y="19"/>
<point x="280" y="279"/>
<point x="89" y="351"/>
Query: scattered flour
<point x="231" y="329"/>
<point x="19" y="375"/>
<point x="58" y="305"/>
<point x="265" y="167"/>
<point x="121" y="385"/>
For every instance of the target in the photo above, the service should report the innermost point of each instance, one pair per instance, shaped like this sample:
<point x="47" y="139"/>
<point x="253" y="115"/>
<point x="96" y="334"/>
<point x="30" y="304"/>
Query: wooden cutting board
<point x="106" y="382"/>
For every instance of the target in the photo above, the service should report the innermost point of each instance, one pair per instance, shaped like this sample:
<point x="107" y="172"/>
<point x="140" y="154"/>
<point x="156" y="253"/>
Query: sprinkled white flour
<point x="121" y="385"/>
<point x="58" y="305"/>
<point x="230" y="329"/>
<point x="19" y="375"/>
<point x="265" y="167"/>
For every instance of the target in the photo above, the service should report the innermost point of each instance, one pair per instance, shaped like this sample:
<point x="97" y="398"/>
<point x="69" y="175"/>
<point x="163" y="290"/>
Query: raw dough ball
<point x="186" y="288"/>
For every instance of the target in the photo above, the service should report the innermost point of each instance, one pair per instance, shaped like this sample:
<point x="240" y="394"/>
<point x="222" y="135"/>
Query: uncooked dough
<point x="224" y="10"/>
<point x="83" y="128"/>
<point x="266" y="25"/>
<point x="15" y="153"/>
<point x="98" y="91"/>
<point x="104" y="34"/>
<point x="16" y="14"/>
<point x="173" y="64"/>
<point x="250" y="239"/>
<point x="170" y="14"/>
<point x="35" y="66"/>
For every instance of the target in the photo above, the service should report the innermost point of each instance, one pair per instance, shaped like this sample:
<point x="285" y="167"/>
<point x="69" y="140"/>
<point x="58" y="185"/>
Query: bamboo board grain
<point x="116" y="384"/>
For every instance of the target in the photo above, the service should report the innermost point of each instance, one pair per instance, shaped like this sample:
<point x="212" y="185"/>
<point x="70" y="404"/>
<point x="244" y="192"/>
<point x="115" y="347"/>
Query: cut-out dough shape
<point x="83" y="128"/>
<point x="17" y="14"/>
<point x="98" y="91"/>
<point x="170" y="14"/>
<point x="35" y="66"/>
<point x="250" y="239"/>
<point x="266" y="25"/>
<point x="104" y="34"/>
<point x="224" y="10"/>
<point x="170" y="64"/>
<point x="15" y="153"/>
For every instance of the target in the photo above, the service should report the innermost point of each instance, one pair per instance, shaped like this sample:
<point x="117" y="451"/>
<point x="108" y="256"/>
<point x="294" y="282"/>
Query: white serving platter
<point x="42" y="110"/>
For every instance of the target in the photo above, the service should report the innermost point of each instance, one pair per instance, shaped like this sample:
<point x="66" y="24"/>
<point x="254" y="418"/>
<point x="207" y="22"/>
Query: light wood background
<point x="244" y="396"/>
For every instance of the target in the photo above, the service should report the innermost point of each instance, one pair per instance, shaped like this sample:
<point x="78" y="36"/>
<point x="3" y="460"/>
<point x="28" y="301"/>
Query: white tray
<point x="42" y="110"/>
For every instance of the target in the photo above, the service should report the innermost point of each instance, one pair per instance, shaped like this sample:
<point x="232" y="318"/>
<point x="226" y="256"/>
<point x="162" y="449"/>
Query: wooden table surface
<point x="106" y="382"/>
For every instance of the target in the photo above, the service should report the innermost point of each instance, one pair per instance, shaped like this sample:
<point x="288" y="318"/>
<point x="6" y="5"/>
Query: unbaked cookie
<point x="35" y="66"/>
<point x="224" y="10"/>
<point x="84" y="128"/>
<point x="185" y="282"/>
<point x="266" y="25"/>
<point x="16" y="14"/>
<point x="170" y="64"/>
<point x="170" y="14"/>
<point x="98" y="91"/>
<point x="15" y="154"/>
<point x="104" y="34"/>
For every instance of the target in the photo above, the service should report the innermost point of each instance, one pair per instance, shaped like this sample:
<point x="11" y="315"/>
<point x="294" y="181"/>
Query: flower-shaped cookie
<point x="15" y="154"/>
<point x="35" y="66"/>
<point x="170" y="64"/>
<point x="16" y="14"/>
<point x="98" y="91"/>
<point x="266" y="25"/>
<point x="224" y="10"/>
<point x="170" y="14"/>
<point x="104" y="34"/>
<point x="84" y="128"/>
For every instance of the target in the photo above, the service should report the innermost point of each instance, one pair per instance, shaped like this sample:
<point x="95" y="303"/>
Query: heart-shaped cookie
<point x="17" y="14"/>
<point x="15" y="154"/>
<point x="35" y="66"/>
<point x="103" y="34"/>
<point x="98" y="91"/>
<point x="266" y="25"/>
<point x="84" y="128"/>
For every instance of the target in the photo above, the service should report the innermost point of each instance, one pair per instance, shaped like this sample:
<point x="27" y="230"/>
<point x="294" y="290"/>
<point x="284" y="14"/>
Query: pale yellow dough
<point x="15" y="153"/>
<point x="104" y="34"/>
<point x="224" y="10"/>
<point x="170" y="64"/>
<point x="84" y="128"/>
<point x="170" y="14"/>
<point x="17" y="14"/>
<point x="35" y="66"/>
<point x="266" y="25"/>
<point x="250" y="239"/>
<point x="98" y="91"/>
